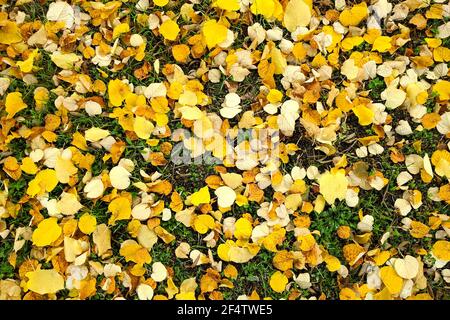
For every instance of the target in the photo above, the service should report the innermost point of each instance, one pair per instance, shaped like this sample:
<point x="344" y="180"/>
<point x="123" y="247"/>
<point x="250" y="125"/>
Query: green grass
<point x="376" y="86"/>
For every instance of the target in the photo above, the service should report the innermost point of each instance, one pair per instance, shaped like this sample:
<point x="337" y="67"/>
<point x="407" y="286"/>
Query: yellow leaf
<point x="45" y="281"/>
<point x="352" y="253"/>
<point x="44" y="181"/>
<point x="283" y="260"/>
<point x="132" y="251"/>
<point x="243" y="229"/>
<point x="214" y="33"/>
<point x="46" y="232"/>
<point x="351" y="42"/>
<point x="382" y="44"/>
<point x="203" y="222"/>
<point x="41" y="96"/>
<point x="293" y="201"/>
<point x="14" y="104"/>
<point x="64" y="169"/>
<point x="27" y="65"/>
<point x="278" y="282"/>
<point x="365" y="115"/>
<point x="441" y="249"/>
<point x="142" y="127"/>
<point x="307" y="242"/>
<point x="391" y="280"/>
<point x="9" y="33"/>
<point x="277" y="236"/>
<point x="181" y="52"/>
<point x="441" y="161"/>
<point x="160" y="3"/>
<point x="117" y="91"/>
<point x="87" y="223"/>
<point x="274" y="96"/>
<point x="64" y="60"/>
<point x="95" y="134"/>
<point x="68" y="204"/>
<point x="201" y="196"/>
<point x="354" y="16"/>
<point x="187" y="290"/>
<point x="28" y="166"/>
<point x="79" y="141"/>
<point x="299" y="51"/>
<point x="230" y="271"/>
<point x="333" y="185"/>
<point x="120" y="29"/>
<point x="418" y="230"/>
<point x="263" y="7"/>
<point x="348" y="294"/>
<point x="278" y="60"/>
<point x="171" y="288"/>
<point x="120" y="209"/>
<point x="433" y="42"/>
<point x="230" y="251"/>
<point x="297" y="14"/>
<point x="442" y="87"/>
<point x="169" y="29"/>
<point x="333" y="263"/>
<point x="191" y="113"/>
<point x="381" y="258"/>
<point x="441" y="54"/>
<point x="228" y="5"/>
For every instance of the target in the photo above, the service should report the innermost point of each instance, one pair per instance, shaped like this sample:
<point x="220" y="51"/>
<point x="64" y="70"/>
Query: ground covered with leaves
<point x="224" y="149"/>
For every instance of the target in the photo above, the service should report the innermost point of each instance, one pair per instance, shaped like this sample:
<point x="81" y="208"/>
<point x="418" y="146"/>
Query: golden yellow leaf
<point x="365" y="115"/>
<point x="87" y="223"/>
<point x="27" y="65"/>
<point x="132" y="251"/>
<point x="391" y="279"/>
<point x="214" y="33"/>
<point x="243" y="229"/>
<point x="117" y="91"/>
<point x="120" y="209"/>
<point x="441" y="249"/>
<point x="333" y="263"/>
<point x="9" y="33"/>
<point x="169" y="29"/>
<point x="418" y="229"/>
<point x="181" y="52"/>
<point x="46" y="232"/>
<point x="228" y="5"/>
<point x="14" y="104"/>
<point x="442" y="88"/>
<point x="354" y="16"/>
<point x="120" y="29"/>
<point x="203" y="222"/>
<point x="44" y="181"/>
<point x="28" y="166"/>
<point x="278" y="282"/>
<point x="283" y="260"/>
<point x="263" y="7"/>
<point x="143" y="127"/>
<point x="160" y="3"/>
<point x="201" y="196"/>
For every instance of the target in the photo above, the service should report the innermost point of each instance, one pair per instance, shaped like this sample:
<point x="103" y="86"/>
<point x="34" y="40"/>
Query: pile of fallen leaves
<point x="336" y="185"/>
